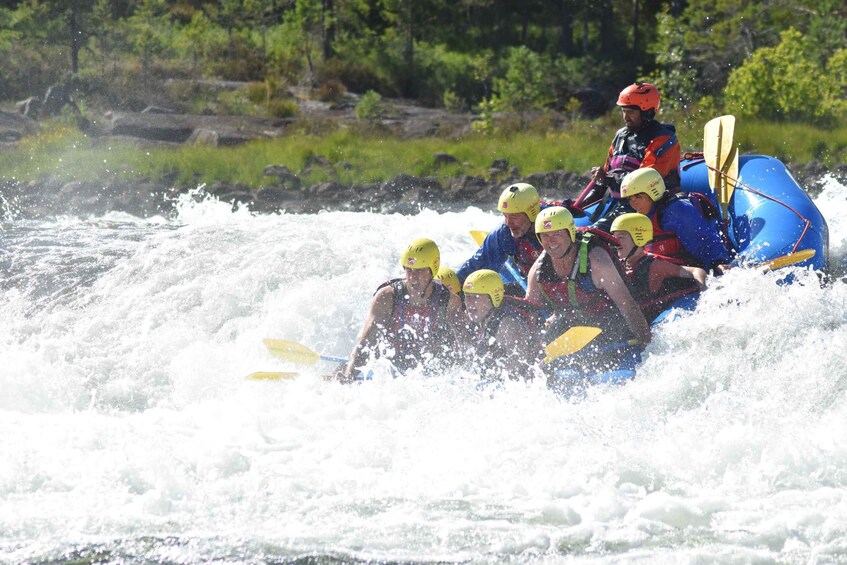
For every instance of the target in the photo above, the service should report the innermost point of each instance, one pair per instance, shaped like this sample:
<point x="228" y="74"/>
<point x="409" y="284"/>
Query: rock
<point x="14" y="125"/>
<point x="179" y="128"/>
<point x="157" y="110"/>
<point x="411" y="188"/>
<point x="202" y="136"/>
<point x="286" y="178"/>
<point x="272" y="194"/>
<point x="441" y="159"/>
<point x="500" y="165"/>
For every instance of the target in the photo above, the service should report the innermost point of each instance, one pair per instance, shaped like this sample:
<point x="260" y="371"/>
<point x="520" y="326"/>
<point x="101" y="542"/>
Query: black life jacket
<point x="629" y="148"/>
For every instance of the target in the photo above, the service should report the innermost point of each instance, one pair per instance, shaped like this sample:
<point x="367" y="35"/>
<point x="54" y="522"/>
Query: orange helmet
<point x="642" y="95"/>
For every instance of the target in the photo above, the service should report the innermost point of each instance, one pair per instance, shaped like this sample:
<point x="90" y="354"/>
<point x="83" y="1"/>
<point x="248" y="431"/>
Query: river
<point x="129" y="435"/>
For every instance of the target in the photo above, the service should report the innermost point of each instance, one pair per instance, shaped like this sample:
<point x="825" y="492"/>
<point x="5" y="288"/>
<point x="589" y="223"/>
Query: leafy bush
<point x="525" y="85"/>
<point x="370" y="107"/>
<point x="283" y="108"/>
<point x="785" y="82"/>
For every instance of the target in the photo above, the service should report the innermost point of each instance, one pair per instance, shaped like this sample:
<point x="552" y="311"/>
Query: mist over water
<point x="129" y="434"/>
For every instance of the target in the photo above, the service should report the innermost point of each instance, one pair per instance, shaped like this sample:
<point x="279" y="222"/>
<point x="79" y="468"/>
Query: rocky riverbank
<point x="403" y="194"/>
<point x="286" y="193"/>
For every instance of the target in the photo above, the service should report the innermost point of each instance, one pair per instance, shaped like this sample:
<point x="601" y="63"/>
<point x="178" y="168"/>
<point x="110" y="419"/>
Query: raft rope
<point x="738" y="184"/>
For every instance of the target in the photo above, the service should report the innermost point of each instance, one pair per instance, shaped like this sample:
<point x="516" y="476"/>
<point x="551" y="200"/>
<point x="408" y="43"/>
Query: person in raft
<point x="577" y="279"/>
<point x="514" y="239"/>
<point x="655" y="281"/>
<point x="641" y="142"/>
<point x="679" y="229"/>
<point x="505" y="334"/>
<point x="412" y="320"/>
<point x="448" y="278"/>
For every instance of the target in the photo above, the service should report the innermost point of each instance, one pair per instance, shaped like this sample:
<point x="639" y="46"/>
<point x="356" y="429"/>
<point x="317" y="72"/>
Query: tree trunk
<point x="635" y="15"/>
<point x="329" y="29"/>
<point x="607" y="28"/>
<point x="410" y="52"/>
<point x="73" y="24"/>
<point x="566" y="33"/>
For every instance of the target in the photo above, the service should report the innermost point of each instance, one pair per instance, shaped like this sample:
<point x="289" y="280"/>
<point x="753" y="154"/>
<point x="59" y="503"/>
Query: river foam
<point x="130" y="435"/>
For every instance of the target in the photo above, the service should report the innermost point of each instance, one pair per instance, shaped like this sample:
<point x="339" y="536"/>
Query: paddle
<point x="570" y="342"/>
<point x="787" y="260"/>
<point x="270" y="376"/>
<point x="721" y="158"/>
<point x="479" y="236"/>
<point x="297" y="353"/>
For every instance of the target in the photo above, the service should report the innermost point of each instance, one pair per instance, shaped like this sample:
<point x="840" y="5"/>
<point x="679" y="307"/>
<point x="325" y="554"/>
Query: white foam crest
<point x="125" y="415"/>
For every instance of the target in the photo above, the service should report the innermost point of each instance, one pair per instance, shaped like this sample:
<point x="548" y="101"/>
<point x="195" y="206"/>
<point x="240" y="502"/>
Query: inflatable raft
<point x="769" y="217"/>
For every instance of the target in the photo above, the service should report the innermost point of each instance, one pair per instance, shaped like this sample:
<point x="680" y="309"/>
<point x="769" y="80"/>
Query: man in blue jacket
<point x="514" y="239"/>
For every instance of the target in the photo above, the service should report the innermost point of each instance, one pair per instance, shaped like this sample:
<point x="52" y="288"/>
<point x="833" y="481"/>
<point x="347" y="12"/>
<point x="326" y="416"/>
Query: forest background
<point x="525" y="70"/>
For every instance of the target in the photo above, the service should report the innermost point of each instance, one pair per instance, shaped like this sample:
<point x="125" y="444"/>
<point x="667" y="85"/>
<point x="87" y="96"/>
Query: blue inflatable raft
<point x="770" y="216"/>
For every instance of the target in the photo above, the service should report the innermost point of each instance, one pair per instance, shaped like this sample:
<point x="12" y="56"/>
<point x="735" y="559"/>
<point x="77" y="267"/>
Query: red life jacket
<point x="527" y="250"/>
<point x="416" y="332"/>
<point x="665" y="243"/>
<point x="652" y="304"/>
<point x="582" y="302"/>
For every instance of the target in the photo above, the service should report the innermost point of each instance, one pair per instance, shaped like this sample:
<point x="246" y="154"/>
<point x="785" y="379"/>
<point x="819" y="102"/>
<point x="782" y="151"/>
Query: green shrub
<point x="283" y="108"/>
<point x="524" y="86"/>
<point x="370" y="107"/>
<point x="453" y="102"/>
<point x="785" y="82"/>
<point x="257" y="92"/>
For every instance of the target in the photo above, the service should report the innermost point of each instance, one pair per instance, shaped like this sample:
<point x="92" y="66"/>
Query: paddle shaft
<point x="479" y="238"/>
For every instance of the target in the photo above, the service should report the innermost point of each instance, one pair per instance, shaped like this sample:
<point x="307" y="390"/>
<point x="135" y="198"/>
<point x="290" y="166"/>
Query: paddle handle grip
<point x="333" y="359"/>
<point x="515" y="274"/>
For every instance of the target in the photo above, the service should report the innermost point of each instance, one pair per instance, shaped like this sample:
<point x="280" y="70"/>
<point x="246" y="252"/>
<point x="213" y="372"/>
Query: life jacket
<point x="653" y="303"/>
<point x="630" y="147"/>
<point x="582" y="302"/>
<point x="417" y="331"/>
<point x="516" y="308"/>
<point x="667" y="243"/>
<point x="527" y="250"/>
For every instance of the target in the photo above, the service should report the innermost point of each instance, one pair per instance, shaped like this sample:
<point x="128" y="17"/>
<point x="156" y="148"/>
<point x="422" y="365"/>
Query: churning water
<point x="128" y="433"/>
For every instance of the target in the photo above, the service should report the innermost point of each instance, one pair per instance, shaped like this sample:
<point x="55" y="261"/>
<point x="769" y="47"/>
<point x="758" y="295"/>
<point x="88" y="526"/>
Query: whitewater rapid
<point x="129" y="434"/>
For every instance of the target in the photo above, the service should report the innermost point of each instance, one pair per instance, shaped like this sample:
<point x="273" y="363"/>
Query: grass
<point x="63" y="153"/>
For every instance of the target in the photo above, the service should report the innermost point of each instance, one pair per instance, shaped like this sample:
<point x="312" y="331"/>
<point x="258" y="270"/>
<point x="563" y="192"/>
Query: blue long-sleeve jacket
<point x="698" y="237"/>
<point x="499" y="245"/>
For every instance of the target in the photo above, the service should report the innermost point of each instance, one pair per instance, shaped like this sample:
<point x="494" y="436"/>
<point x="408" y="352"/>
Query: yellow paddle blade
<point x="721" y="157"/>
<point x="728" y="158"/>
<point x="731" y="176"/>
<point x="270" y="376"/>
<point x="478" y="236"/>
<point x="570" y="342"/>
<point x="291" y="351"/>
<point x="789" y="259"/>
<point x="711" y="150"/>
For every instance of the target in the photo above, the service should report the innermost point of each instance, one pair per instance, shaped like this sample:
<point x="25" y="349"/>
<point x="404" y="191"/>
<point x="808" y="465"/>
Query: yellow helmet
<point x="520" y="197"/>
<point x="485" y="281"/>
<point x="646" y="180"/>
<point x="422" y="253"/>
<point x="639" y="226"/>
<point x="449" y="278"/>
<point x="555" y="218"/>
